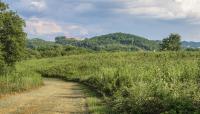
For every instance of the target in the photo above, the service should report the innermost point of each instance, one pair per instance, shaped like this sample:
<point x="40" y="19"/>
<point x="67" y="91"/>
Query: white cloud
<point x="163" y="9"/>
<point x="37" y="26"/>
<point x="73" y="30"/>
<point x="36" y="5"/>
<point x="42" y="27"/>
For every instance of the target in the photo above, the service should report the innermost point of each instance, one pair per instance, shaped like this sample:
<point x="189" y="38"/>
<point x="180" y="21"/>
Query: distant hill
<point x="112" y="42"/>
<point x="109" y="42"/>
<point x="190" y="44"/>
<point x="37" y="43"/>
<point x="38" y="48"/>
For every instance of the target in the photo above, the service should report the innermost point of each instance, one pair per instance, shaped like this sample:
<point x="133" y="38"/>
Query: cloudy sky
<point x="154" y="19"/>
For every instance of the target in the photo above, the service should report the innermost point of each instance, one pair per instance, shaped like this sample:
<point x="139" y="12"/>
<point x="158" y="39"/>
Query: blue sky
<point x="154" y="19"/>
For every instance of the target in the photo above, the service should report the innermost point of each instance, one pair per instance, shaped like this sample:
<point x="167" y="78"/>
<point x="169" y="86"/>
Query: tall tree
<point x="171" y="43"/>
<point x="12" y="36"/>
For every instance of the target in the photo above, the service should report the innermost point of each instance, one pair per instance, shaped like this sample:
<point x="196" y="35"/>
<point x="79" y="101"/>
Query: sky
<point x="153" y="19"/>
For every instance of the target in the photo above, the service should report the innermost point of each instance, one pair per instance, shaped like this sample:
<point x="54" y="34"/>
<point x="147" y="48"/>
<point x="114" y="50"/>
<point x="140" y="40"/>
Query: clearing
<point x="55" y="97"/>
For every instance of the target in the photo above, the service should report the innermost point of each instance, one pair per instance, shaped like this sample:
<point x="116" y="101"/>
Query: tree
<point x="12" y="36"/>
<point x="171" y="43"/>
<point x="60" y="40"/>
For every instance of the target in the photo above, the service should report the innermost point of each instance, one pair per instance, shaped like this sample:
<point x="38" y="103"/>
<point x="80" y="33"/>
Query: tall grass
<point x="19" y="81"/>
<point x="150" y="83"/>
<point x="22" y="78"/>
<point x="95" y="103"/>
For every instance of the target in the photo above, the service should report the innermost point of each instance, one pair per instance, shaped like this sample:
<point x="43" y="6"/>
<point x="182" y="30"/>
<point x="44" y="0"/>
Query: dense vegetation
<point x="12" y="50"/>
<point x="19" y="80"/>
<point x="125" y="42"/>
<point x="130" y="82"/>
<point x="149" y="83"/>
<point x="12" y="38"/>
<point x="38" y="48"/>
<point x="112" y="42"/>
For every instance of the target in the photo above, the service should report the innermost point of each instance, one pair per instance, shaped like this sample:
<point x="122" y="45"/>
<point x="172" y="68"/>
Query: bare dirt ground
<point x="55" y="97"/>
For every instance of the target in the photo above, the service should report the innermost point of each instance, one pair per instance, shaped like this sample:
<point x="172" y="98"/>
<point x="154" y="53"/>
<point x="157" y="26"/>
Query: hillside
<point x="38" y="48"/>
<point x="191" y="44"/>
<point x="37" y="43"/>
<point x="108" y="42"/>
<point x="112" y="42"/>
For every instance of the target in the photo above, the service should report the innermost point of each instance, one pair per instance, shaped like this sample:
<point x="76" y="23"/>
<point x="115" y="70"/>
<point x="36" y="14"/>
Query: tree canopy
<point x="171" y="43"/>
<point x="12" y="36"/>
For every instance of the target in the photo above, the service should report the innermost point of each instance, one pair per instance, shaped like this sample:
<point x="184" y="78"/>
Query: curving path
<point x="55" y="97"/>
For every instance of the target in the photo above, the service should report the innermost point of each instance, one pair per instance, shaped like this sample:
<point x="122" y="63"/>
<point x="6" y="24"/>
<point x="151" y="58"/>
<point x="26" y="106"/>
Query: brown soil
<point x="55" y="97"/>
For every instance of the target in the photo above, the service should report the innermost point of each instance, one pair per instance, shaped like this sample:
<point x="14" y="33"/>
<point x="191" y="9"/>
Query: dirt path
<point x="55" y="97"/>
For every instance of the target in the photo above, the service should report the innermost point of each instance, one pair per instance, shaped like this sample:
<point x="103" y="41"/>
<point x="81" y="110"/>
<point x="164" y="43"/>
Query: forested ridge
<point x="109" y="42"/>
<point x="112" y="42"/>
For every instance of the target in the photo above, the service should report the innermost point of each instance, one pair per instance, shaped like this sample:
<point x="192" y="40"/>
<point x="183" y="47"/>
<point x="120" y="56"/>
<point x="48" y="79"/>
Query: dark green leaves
<point x="171" y="43"/>
<point x="12" y="36"/>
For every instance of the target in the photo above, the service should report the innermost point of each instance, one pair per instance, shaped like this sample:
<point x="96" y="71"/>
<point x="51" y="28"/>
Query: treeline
<point x="38" y="48"/>
<point x="129" y="42"/>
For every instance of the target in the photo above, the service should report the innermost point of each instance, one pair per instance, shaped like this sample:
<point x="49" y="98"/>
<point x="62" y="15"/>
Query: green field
<point x="162" y="82"/>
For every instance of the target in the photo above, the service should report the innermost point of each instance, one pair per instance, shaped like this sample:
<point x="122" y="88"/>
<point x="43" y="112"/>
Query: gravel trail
<point x="55" y="97"/>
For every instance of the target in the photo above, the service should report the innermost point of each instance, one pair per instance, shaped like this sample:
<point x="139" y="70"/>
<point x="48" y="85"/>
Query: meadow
<point x="130" y="82"/>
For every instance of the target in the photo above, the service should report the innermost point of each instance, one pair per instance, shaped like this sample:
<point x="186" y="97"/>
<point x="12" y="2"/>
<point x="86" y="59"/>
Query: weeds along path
<point x="55" y="97"/>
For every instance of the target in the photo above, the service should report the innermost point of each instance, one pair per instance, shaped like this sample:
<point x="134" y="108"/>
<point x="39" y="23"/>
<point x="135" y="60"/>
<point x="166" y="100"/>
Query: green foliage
<point x="133" y="82"/>
<point x="66" y="41"/>
<point x="95" y="102"/>
<point x="12" y="37"/>
<point x="192" y="49"/>
<point x="111" y="42"/>
<point x="21" y="79"/>
<point x="149" y="83"/>
<point x="3" y="6"/>
<point x="12" y="48"/>
<point x="2" y="62"/>
<point x="38" y="43"/>
<point x="172" y="43"/>
<point x="38" y="48"/>
<point x="123" y="42"/>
